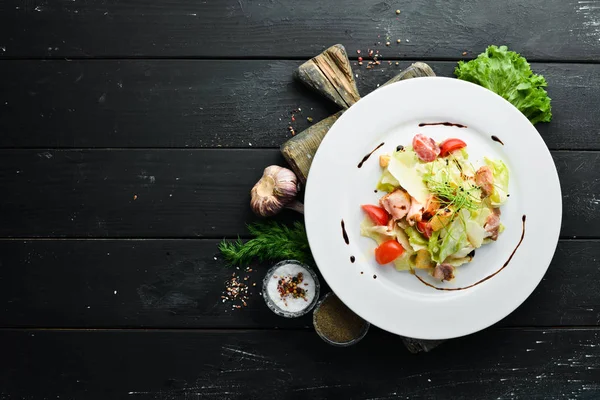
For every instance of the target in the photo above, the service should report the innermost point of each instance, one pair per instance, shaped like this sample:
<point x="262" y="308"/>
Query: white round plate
<point x="397" y="301"/>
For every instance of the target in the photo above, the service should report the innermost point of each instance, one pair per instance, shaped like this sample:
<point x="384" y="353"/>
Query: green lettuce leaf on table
<point x="509" y="75"/>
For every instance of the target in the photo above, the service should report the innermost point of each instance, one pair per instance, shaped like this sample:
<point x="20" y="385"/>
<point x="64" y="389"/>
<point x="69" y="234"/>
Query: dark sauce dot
<point x="352" y="259"/>
<point x="399" y="147"/>
<point x="374" y="276"/>
<point x="344" y="234"/>
<point x="361" y="272"/>
<point x="508" y="195"/>
<point x="375" y="191"/>
<point x="496" y="139"/>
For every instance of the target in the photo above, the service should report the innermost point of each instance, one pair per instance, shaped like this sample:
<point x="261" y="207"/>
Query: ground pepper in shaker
<point x="336" y="324"/>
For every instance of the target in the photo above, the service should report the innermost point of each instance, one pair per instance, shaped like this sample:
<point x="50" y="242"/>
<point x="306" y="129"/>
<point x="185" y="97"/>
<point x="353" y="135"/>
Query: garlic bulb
<point x="275" y="190"/>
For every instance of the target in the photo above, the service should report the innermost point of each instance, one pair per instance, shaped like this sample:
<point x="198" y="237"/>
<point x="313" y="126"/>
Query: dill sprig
<point x="272" y="242"/>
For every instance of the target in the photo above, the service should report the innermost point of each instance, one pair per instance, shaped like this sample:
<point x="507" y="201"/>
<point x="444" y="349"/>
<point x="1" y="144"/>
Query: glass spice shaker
<point x="336" y="324"/>
<point x="291" y="289"/>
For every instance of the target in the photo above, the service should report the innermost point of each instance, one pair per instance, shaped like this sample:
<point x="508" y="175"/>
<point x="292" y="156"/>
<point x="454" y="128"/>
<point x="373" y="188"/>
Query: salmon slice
<point x="396" y="203"/>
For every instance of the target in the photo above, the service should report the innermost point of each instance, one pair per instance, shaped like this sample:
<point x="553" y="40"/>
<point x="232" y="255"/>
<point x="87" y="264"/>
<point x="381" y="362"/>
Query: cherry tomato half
<point x="388" y="251"/>
<point x="449" y="145"/>
<point x="424" y="228"/>
<point x="377" y="214"/>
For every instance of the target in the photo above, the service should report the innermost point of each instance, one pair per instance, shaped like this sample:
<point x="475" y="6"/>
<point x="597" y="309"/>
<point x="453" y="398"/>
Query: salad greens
<point x="448" y="214"/>
<point x="500" y="172"/>
<point x="509" y="75"/>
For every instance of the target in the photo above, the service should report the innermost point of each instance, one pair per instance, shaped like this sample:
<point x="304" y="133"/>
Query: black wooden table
<point x="131" y="132"/>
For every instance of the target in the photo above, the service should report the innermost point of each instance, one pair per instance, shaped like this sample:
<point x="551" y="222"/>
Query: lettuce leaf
<point x="387" y="182"/>
<point x="449" y="240"/>
<point x="380" y="234"/>
<point x="500" y="172"/>
<point x="416" y="240"/>
<point x="457" y="262"/>
<point x="405" y="262"/>
<point x="434" y="246"/>
<point x="509" y="75"/>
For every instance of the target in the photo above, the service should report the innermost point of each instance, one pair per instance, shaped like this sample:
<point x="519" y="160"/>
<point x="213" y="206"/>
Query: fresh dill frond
<point x="272" y="242"/>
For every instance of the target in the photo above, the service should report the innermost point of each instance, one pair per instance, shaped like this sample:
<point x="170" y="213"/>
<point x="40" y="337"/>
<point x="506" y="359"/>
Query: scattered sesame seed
<point x="387" y="43"/>
<point x="397" y="12"/>
<point x="399" y="41"/>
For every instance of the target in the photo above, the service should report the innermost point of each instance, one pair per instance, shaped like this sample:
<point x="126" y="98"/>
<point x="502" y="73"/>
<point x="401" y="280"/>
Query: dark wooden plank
<point x="144" y="193"/>
<point x="191" y="103"/>
<point x="286" y="28"/>
<point x="514" y="363"/>
<point x="179" y="283"/>
<point x="187" y="193"/>
<point x="126" y="283"/>
<point x="152" y="103"/>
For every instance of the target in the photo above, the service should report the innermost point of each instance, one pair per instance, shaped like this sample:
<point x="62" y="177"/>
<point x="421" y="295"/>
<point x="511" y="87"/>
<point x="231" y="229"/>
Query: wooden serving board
<point x="330" y="74"/>
<point x="300" y="149"/>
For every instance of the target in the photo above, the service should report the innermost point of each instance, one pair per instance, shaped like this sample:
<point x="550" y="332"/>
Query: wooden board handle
<point x="300" y="150"/>
<point x="330" y="74"/>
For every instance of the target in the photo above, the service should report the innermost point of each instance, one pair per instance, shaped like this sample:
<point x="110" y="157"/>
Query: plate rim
<point x="545" y="152"/>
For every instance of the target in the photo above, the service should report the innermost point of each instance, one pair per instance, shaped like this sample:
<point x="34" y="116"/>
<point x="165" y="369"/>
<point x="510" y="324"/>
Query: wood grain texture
<point x="96" y="364"/>
<point x="189" y="103"/>
<point x="300" y="150"/>
<point x="188" y="193"/>
<point x="179" y="283"/>
<point x="290" y="28"/>
<point x="330" y="74"/>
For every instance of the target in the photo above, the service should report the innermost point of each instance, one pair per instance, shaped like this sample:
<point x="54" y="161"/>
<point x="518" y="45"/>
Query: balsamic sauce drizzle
<point x="441" y="123"/>
<point x="344" y="234"/>
<point x="352" y="259"/>
<point x="487" y="277"/>
<point x="497" y="139"/>
<point x="365" y="158"/>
